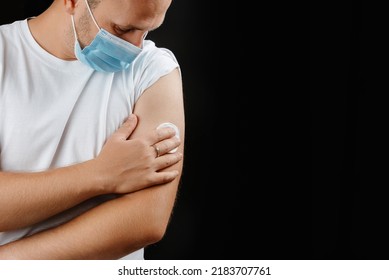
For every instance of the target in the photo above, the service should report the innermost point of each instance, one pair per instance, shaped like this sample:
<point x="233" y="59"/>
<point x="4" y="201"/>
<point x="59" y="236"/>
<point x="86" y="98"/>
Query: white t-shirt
<point x="55" y="113"/>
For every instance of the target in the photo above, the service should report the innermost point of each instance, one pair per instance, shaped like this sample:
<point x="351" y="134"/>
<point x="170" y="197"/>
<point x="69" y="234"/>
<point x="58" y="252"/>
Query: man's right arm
<point x="28" y="198"/>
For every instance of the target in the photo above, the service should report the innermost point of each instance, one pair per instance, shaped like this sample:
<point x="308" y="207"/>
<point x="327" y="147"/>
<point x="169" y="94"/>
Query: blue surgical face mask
<point x="106" y="53"/>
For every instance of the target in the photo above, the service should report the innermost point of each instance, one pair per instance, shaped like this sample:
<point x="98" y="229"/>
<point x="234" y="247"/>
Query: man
<point x="85" y="170"/>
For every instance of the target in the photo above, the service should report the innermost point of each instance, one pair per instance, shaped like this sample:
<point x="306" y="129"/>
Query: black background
<point x="348" y="106"/>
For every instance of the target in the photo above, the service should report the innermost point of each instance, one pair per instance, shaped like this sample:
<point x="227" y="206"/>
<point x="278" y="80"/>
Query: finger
<point x="165" y="176"/>
<point x="166" y="130"/>
<point x="167" y="160"/>
<point x="161" y="134"/>
<point x="176" y="130"/>
<point x="157" y="150"/>
<point x="126" y="128"/>
<point x="169" y="145"/>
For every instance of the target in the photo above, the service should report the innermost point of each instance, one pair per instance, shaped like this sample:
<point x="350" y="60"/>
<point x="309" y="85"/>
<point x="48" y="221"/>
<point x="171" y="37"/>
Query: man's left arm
<point x="130" y="222"/>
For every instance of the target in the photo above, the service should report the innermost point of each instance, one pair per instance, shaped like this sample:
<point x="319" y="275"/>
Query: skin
<point x="147" y="187"/>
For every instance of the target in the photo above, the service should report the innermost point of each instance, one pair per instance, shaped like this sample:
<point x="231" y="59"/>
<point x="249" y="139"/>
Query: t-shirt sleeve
<point x="151" y="65"/>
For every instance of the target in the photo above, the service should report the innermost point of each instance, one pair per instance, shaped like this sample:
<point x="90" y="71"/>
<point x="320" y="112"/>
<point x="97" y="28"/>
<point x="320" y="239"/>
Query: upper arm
<point x="161" y="102"/>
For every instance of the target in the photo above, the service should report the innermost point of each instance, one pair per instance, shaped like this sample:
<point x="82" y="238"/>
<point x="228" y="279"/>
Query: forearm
<point x="108" y="231"/>
<point x="27" y="198"/>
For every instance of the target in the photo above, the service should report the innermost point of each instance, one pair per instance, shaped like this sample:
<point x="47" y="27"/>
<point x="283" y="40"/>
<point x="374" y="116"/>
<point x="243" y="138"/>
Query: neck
<point x="52" y="31"/>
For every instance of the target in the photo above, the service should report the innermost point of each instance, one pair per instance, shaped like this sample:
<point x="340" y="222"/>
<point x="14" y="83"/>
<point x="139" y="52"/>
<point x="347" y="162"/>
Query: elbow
<point x="157" y="226"/>
<point x="157" y="216"/>
<point x="156" y="232"/>
<point x="156" y="235"/>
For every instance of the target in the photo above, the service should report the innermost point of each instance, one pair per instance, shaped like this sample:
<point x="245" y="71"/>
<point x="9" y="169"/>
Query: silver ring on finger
<point x="157" y="151"/>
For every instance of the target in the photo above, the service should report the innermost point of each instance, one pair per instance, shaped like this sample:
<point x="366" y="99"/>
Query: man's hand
<point x="126" y="166"/>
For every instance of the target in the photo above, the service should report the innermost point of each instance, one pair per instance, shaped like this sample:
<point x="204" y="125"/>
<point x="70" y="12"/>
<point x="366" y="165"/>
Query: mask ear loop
<point x="144" y="37"/>
<point x="74" y="28"/>
<point x="91" y="14"/>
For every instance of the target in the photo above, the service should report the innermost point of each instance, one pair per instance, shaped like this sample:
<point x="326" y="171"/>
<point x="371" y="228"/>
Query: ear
<point x="70" y="6"/>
